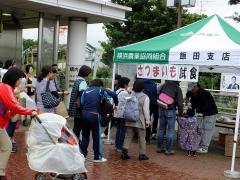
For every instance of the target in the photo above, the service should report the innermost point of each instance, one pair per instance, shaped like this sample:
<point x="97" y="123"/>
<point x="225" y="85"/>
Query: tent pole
<point x="108" y="141"/>
<point x="231" y="173"/>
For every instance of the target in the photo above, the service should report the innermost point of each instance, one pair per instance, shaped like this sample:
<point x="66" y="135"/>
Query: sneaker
<point x="100" y="160"/>
<point x="103" y="135"/>
<point x="118" y="150"/>
<point x="143" y="157"/>
<point x="14" y="146"/>
<point x="125" y="157"/>
<point x="168" y="153"/>
<point x="161" y="151"/>
<point x="154" y="136"/>
<point x="202" y="150"/>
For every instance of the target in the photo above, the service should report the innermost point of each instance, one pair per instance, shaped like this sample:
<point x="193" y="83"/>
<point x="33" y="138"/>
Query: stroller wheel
<point x="40" y="176"/>
<point x="82" y="176"/>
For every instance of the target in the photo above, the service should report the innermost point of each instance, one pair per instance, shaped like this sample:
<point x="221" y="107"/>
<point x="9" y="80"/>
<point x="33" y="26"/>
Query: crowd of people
<point x="194" y="136"/>
<point x="15" y="81"/>
<point x="11" y="78"/>
<point x="133" y="108"/>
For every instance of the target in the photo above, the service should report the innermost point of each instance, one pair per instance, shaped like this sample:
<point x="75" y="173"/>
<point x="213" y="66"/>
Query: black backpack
<point x="106" y="110"/>
<point x="150" y="89"/>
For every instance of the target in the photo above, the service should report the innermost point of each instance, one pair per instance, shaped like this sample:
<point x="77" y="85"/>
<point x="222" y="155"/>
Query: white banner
<point x="230" y="82"/>
<point x="168" y="72"/>
<point x="73" y="73"/>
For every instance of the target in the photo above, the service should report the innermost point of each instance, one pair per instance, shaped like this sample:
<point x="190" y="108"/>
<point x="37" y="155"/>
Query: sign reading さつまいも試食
<point x="168" y="72"/>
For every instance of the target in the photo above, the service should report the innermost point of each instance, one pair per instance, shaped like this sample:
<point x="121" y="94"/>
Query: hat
<point x="191" y="85"/>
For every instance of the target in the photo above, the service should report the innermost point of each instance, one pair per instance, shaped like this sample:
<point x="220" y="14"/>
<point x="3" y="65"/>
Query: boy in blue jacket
<point x="91" y="101"/>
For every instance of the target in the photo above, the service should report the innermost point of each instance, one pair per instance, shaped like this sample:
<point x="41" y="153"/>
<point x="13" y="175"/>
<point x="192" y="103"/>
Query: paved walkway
<point x="179" y="166"/>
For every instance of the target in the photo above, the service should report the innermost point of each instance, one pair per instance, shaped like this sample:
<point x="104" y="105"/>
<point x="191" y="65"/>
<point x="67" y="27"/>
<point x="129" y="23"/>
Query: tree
<point x="103" y="73"/>
<point x="149" y="18"/>
<point x="235" y="16"/>
<point x="210" y="80"/>
<point x="27" y="43"/>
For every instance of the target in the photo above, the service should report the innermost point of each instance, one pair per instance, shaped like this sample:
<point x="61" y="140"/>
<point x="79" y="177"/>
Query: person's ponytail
<point x="44" y="72"/>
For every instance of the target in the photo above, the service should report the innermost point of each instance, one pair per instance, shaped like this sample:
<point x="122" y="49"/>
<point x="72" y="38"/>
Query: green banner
<point x="160" y="57"/>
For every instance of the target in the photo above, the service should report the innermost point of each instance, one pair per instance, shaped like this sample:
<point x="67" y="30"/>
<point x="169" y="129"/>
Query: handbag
<point x="166" y="98"/>
<point x="48" y="99"/>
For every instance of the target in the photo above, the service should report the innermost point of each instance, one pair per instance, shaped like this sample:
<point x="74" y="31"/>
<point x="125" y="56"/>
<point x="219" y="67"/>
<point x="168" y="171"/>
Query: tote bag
<point x="61" y="110"/>
<point x="48" y="99"/>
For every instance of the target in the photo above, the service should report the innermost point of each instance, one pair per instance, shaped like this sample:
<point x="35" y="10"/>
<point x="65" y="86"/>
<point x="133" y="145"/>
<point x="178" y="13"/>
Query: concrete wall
<point x="11" y="45"/>
<point x="127" y="70"/>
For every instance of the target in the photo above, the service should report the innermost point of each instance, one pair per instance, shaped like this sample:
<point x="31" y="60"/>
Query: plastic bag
<point x="30" y="103"/>
<point x="61" y="156"/>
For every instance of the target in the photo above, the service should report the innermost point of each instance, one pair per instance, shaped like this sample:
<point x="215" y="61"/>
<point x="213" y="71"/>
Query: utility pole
<point x="179" y="11"/>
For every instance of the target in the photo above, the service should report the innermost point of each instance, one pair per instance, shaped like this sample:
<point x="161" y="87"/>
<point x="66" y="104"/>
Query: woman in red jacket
<point x="8" y="108"/>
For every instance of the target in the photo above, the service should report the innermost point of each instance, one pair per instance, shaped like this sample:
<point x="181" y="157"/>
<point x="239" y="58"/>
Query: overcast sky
<point x="96" y="33"/>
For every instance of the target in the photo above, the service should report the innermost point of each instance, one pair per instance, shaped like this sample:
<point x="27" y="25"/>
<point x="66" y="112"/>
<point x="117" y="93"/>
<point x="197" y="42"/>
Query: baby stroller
<point x="53" y="148"/>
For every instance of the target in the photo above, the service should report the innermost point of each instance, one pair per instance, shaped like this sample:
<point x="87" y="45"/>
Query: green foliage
<point x="61" y="78"/>
<point x="210" y="80"/>
<point x="189" y="18"/>
<point x="148" y="18"/>
<point x="27" y="43"/>
<point x="107" y="83"/>
<point x="108" y="54"/>
<point x="103" y="73"/>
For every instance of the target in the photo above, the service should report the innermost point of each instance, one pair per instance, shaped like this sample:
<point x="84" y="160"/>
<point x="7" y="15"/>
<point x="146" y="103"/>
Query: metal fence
<point x="226" y="101"/>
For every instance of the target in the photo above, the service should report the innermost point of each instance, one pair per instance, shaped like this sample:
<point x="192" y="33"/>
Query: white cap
<point x="190" y="85"/>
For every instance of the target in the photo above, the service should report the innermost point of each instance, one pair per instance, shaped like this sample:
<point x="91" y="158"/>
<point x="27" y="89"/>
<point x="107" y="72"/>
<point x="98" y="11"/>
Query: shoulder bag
<point x="48" y="99"/>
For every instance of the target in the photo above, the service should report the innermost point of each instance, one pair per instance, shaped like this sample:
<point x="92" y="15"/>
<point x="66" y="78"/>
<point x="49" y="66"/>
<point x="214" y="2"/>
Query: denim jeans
<point x="120" y="134"/>
<point x="207" y="130"/>
<point x="11" y="128"/>
<point x="167" y="120"/>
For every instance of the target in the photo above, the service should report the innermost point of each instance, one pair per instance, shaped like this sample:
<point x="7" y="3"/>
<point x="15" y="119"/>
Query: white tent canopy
<point x="210" y="41"/>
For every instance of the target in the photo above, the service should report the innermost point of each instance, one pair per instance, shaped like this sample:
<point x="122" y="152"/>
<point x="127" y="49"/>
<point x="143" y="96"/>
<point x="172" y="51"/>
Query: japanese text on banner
<point x="168" y="72"/>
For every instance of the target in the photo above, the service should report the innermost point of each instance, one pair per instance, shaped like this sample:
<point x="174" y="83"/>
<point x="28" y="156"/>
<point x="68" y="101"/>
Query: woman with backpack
<point x="91" y="116"/>
<point x="141" y="121"/>
<point x="8" y="108"/>
<point x="122" y="93"/>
